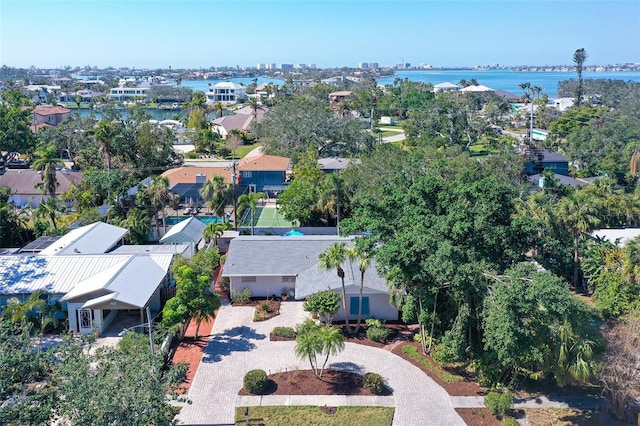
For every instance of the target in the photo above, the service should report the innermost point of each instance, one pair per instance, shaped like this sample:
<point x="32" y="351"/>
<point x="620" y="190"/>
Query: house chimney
<point x="201" y="178"/>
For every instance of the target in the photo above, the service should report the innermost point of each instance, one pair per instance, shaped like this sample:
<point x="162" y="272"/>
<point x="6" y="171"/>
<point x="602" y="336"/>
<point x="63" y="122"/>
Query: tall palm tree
<point x="217" y="194"/>
<point x="104" y="133"/>
<point x="159" y="196"/>
<point x="50" y="208"/>
<point x="250" y="201"/>
<point x="579" y="58"/>
<point x="578" y="213"/>
<point x="46" y="162"/>
<point x="333" y="258"/>
<point x="525" y="88"/>
<point x="363" y="258"/>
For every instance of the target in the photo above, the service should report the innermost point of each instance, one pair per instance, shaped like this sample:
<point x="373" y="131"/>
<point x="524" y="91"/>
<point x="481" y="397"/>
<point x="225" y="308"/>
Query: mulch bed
<point x="397" y="331"/>
<point x="303" y="382"/>
<point x="467" y="387"/>
<point x="263" y="314"/>
<point x="478" y="417"/>
<point x="274" y="338"/>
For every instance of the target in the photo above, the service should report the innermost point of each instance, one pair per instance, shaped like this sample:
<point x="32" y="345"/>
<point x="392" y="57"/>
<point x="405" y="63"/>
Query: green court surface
<point x="268" y="217"/>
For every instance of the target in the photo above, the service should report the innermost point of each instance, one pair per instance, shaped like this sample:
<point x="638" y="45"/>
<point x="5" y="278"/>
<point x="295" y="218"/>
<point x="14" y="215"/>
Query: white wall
<point x="263" y="287"/>
<point x="379" y="308"/>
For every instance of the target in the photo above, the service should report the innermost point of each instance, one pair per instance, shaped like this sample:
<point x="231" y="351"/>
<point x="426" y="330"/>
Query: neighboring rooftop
<point x="264" y="162"/>
<point x="97" y="238"/>
<point x="620" y="236"/>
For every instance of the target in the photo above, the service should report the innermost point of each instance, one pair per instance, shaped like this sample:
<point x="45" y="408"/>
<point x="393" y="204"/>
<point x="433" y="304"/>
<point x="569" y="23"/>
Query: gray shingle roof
<point x="296" y="256"/>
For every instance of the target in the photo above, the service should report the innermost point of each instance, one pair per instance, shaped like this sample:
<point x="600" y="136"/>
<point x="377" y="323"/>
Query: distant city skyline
<point x="329" y="33"/>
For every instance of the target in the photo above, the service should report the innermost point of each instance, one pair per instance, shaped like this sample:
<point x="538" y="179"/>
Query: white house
<point x="94" y="283"/>
<point x="619" y="237"/>
<point x="226" y="92"/>
<point x="267" y="265"/>
<point x="188" y="232"/>
<point x="563" y="104"/>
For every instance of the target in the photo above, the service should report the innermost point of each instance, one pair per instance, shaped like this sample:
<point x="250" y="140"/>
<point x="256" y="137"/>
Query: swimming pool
<point x="172" y="220"/>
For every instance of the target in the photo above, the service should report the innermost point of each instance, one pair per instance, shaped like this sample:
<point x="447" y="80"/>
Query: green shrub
<point x="243" y="296"/>
<point x="498" y="403"/>
<point x="176" y="375"/>
<point x="444" y="354"/>
<point x="373" y="382"/>
<point x="418" y="338"/>
<point x="412" y="352"/>
<point x="378" y="334"/>
<point x="510" y="421"/>
<point x="373" y="322"/>
<point x="256" y="381"/>
<point x="284" y="332"/>
<point x="266" y="307"/>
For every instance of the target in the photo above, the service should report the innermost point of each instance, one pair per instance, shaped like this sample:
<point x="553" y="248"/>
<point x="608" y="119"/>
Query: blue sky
<point x="206" y="33"/>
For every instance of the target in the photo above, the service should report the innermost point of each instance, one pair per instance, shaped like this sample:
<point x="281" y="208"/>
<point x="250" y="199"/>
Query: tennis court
<point x="268" y="217"/>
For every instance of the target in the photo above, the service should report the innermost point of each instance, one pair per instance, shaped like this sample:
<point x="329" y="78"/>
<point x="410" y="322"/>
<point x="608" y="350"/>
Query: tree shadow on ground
<point x="347" y="366"/>
<point x="237" y="339"/>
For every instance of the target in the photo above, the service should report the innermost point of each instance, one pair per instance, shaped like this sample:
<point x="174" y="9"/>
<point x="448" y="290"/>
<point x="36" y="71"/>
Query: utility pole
<point x="234" y="178"/>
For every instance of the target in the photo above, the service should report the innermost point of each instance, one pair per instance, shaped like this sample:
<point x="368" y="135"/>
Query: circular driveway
<point x="237" y="345"/>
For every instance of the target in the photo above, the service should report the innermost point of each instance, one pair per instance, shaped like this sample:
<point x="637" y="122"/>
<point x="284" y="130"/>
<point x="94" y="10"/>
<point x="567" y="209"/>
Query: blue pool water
<point x="172" y="220"/>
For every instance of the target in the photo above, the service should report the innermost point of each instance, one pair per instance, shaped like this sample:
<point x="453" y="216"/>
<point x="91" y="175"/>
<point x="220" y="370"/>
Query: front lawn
<point x="243" y="150"/>
<point x="310" y="415"/>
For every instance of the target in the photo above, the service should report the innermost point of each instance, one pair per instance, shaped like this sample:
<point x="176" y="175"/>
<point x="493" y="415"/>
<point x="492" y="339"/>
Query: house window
<point x="248" y="279"/>
<point x="289" y="279"/>
<point x="354" y="303"/>
<point x="247" y="174"/>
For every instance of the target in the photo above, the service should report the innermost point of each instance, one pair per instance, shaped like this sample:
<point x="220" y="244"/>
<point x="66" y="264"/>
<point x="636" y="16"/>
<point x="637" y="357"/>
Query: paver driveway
<point x="238" y="345"/>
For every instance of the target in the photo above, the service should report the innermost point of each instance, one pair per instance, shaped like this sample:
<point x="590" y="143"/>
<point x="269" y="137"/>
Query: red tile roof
<point x="188" y="174"/>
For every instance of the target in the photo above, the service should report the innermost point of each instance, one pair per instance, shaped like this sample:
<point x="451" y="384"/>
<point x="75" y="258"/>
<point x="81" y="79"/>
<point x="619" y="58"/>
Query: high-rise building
<point x="286" y="66"/>
<point x="262" y="67"/>
<point x="311" y="66"/>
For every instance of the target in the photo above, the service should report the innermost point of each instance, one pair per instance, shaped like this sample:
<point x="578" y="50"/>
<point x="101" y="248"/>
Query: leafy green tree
<point x="465" y="214"/>
<point x="294" y="124"/>
<point x="533" y="323"/>
<point x="301" y="201"/>
<point x="111" y="385"/>
<point x="325" y="304"/>
<point x="15" y="135"/>
<point x="194" y="299"/>
<point x="250" y="201"/>
<point x="333" y="258"/>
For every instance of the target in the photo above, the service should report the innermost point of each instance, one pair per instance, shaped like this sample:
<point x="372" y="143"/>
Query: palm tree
<point x="46" y="162"/>
<point x="333" y="258"/>
<point x="160" y="196"/>
<point x="308" y="345"/>
<point x="250" y="201"/>
<point x="577" y="212"/>
<point x="525" y="89"/>
<point x="332" y="342"/>
<point x="50" y="208"/>
<point x="104" y="134"/>
<point x="363" y="258"/>
<point x="137" y="223"/>
<point x="18" y="312"/>
<point x="579" y="58"/>
<point x="217" y="194"/>
<point x="214" y="230"/>
<point x="218" y="108"/>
